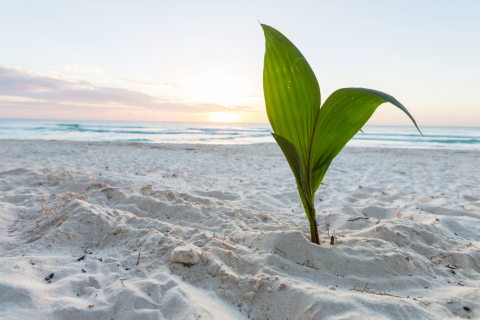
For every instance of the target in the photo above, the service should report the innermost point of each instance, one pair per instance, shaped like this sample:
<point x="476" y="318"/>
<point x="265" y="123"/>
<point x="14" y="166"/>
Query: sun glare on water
<point x="223" y="117"/>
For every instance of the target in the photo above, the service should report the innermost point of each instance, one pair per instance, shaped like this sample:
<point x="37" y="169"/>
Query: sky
<point x="202" y="61"/>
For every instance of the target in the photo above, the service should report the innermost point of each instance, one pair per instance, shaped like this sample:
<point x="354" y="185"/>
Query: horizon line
<point x="213" y="122"/>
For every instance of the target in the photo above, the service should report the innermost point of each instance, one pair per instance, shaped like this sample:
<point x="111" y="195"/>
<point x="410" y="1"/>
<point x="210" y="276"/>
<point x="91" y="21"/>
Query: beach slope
<point x="107" y="230"/>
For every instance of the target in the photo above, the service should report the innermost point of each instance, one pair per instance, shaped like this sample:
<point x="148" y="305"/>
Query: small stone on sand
<point x="186" y="254"/>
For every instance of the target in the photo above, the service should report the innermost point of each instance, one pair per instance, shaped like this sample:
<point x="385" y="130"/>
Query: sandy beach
<point x="114" y="230"/>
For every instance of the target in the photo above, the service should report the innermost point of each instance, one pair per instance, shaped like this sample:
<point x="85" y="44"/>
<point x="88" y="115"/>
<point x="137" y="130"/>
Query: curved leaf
<point x="342" y="115"/>
<point x="295" y="161"/>
<point x="318" y="175"/>
<point x="392" y="100"/>
<point x="292" y="94"/>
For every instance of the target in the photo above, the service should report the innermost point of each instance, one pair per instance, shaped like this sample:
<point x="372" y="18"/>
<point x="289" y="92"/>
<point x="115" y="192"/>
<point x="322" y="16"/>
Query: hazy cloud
<point x="78" y="68"/>
<point x="29" y="92"/>
<point x="146" y="83"/>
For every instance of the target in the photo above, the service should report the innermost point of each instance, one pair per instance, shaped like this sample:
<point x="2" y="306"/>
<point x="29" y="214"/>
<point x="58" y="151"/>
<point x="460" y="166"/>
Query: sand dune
<point x="407" y="223"/>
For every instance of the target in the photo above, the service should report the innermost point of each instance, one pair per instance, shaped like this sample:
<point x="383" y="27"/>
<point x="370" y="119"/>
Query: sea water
<point x="227" y="133"/>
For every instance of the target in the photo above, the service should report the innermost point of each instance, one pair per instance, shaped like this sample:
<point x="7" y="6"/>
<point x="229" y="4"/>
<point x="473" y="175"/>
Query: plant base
<point x="314" y="231"/>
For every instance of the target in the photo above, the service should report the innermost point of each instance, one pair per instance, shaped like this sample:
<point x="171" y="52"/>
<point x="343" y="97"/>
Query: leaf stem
<point x="314" y="231"/>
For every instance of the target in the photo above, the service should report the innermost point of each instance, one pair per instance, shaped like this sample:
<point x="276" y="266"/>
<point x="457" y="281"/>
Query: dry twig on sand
<point x="224" y="242"/>
<point x="45" y="210"/>
<point x="67" y="201"/>
<point x="470" y="244"/>
<point x="307" y="265"/>
<point x="355" y="219"/>
<point x="58" y="205"/>
<point x="373" y="292"/>
<point x="89" y="185"/>
<point x="138" y="261"/>
<point x="227" y="246"/>
<point x="281" y="251"/>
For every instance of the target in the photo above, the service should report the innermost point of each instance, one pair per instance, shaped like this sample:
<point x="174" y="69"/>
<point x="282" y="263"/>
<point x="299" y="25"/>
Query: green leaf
<point x="392" y="100"/>
<point x="318" y="176"/>
<point x="342" y="115"/>
<point x="311" y="137"/>
<point x="295" y="161"/>
<point x="292" y="94"/>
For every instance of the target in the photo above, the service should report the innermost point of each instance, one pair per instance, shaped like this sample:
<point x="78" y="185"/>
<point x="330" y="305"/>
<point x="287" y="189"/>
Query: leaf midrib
<point x="309" y="171"/>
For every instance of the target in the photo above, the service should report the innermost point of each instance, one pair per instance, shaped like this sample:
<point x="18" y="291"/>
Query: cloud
<point x="146" y="83"/>
<point x="78" y="68"/>
<point x="254" y="96"/>
<point x="24" y="94"/>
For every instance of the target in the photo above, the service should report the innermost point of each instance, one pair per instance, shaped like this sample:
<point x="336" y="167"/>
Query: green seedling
<point x="309" y="136"/>
<point x="332" y="240"/>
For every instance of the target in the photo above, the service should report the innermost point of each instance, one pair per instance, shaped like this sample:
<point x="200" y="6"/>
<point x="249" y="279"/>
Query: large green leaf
<point x="318" y="176"/>
<point x="292" y="94"/>
<point x="342" y="115"/>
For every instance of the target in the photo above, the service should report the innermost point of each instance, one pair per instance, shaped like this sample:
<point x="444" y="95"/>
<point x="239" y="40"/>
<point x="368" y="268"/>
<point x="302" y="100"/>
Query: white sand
<point x="423" y="208"/>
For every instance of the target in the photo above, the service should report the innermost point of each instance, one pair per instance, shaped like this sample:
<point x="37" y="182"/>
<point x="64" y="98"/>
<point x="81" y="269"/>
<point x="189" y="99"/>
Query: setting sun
<point x="220" y="90"/>
<point x="223" y="117"/>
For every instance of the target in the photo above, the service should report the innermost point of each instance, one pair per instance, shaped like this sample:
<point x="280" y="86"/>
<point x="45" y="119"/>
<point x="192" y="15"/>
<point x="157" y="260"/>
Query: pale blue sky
<point x="183" y="60"/>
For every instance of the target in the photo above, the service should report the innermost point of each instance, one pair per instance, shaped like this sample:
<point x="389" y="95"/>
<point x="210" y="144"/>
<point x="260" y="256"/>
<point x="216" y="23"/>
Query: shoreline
<point x="231" y="145"/>
<point x="236" y="208"/>
<point x="233" y="133"/>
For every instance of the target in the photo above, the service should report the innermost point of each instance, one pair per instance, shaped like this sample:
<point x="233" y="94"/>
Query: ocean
<point x="227" y="133"/>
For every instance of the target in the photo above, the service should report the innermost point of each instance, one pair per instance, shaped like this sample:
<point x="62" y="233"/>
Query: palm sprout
<point x="309" y="136"/>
